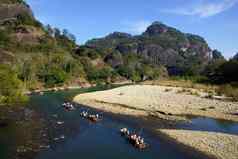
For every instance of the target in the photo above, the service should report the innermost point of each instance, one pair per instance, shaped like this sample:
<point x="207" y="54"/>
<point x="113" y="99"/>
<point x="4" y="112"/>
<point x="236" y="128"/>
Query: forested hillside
<point x="39" y="56"/>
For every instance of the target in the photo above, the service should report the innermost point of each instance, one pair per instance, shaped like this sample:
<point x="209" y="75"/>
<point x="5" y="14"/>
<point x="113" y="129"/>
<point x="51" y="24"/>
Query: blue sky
<point x="215" y="20"/>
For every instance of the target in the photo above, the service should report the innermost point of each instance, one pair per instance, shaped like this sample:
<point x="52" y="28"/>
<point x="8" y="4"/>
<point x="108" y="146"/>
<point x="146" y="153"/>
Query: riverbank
<point x="172" y="104"/>
<point x="79" y="133"/>
<point x="72" y="87"/>
<point x="55" y="89"/>
<point x="222" y="146"/>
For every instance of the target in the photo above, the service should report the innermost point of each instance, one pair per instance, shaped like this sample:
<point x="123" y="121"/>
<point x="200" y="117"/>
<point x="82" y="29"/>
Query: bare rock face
<point x="158" y="55"/>
<point x="10" y="11"/>
<point x="157" y="28"/>
<point x="114" y="59"/>
<point x="160" y="45"/>
<point x="28" y="35"/>
<point x="17" y="25"/>
<point x="128" y="48"/>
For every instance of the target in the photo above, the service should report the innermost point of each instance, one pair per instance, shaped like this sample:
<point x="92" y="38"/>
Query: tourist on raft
<point x="68" y="106"/>
<point x="136" y="140"/>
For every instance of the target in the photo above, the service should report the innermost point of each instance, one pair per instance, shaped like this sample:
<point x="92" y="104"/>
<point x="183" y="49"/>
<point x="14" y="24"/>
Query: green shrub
<point x="4" y="38"/>
<point x="124" y="71"/>
<point x="54" y="76"/>
<point x="11" y="88"/>
<point x="102" y="74"/>
<point x="27" y="19"/>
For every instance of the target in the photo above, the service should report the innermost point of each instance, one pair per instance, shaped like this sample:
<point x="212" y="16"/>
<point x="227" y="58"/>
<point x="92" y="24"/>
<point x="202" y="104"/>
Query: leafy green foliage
<point x="4" y="38"/>
<point x="10" y="86"/>
<point x="223" y="71"/>
<point x="84" y="51"/>
<point x="228" y="71"/>
<point x="27" y="19"/>
<point x="53" y="77"/>
<point x="63" y="39"/>
<point x="137" y="71"/>
<point x="217" y="55"/>
<point x="102" y="74"/>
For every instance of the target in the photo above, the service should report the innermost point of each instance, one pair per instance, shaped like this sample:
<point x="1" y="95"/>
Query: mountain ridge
<point x="40" y="56"/>
<point x="159" y="44"/>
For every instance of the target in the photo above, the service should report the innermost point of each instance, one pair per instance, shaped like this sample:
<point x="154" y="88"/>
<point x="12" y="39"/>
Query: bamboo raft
<point x="91" y="117"/>
<point x="135" y="140"/>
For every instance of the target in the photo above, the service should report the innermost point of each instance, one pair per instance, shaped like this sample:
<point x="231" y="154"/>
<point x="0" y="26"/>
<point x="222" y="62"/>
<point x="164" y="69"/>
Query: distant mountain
<point x="160" y="45"/>
<point x="46" y="56"/>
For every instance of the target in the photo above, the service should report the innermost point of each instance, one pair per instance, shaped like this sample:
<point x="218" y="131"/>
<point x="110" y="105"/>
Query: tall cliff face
<point x="12" y="10"/>
<point x="18" y="29"/>
<point x="160" y="44"/>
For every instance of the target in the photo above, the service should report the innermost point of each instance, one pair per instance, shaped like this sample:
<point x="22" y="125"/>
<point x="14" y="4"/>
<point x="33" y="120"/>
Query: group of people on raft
<point x="68" y="106"/>
<point x="134" y="139"/>
<point x="91" y="117"/>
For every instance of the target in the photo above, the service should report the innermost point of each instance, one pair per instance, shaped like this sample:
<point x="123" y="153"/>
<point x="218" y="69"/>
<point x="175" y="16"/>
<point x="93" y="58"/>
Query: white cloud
<point x="204" y="10"/>
<point x="136" y="27"/>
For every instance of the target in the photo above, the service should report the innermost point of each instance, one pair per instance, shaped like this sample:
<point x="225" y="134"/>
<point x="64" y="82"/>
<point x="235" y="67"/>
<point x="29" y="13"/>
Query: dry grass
<point x="182" y="83"/>
<point x="228" y="91"/>
<point x="211" y="90"/>
<point x="188" y="92"/>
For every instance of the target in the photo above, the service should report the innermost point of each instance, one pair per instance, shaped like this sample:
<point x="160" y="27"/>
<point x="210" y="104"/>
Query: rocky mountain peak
<point x="156" y="28"/>
<point x="119" y="35"/>
<point x="160" y="45"/>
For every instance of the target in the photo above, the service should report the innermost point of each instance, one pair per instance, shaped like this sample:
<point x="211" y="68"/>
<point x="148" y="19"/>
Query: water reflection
<point x="209" y="124"/>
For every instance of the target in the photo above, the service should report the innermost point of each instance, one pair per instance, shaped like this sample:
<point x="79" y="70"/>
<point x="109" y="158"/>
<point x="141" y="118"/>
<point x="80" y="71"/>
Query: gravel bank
<point x="221" y="146"/>
<point x="171" y="103"/>
<point x="164" y="102"/>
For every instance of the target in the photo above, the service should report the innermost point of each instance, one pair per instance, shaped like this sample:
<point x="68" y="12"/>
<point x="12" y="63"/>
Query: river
<point x="79" y="138"/>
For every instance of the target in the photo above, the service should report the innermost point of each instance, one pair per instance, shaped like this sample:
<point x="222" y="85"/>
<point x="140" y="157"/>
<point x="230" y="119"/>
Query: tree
<point x="57" y="32"/>
<point x="69" y="35"/>
<point x="27" y="19"/>
<point x="223" y="72"/>
<point x="50" y="30"/>
<point x="229" y="71"/>
<point x="72" y="37"/>
<point x="54" y="76"/>
<point x="10" y="86"/>
<point x="135" y="77"/>
<point x="217" y="55"/>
